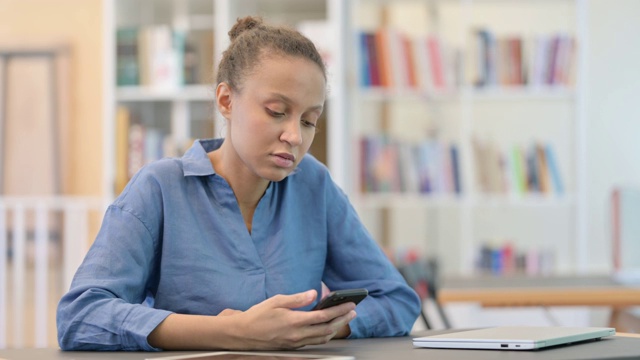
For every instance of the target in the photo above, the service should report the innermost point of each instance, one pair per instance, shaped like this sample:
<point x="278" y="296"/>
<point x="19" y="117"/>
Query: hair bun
<point x="244" y="24"/>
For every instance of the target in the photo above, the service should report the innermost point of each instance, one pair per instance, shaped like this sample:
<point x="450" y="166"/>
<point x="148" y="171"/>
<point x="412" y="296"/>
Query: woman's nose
<point x="292" y="132"/>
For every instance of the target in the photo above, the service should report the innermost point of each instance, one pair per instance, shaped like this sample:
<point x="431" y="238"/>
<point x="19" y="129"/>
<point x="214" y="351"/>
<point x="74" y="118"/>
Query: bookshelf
<point x="528" y="96"/>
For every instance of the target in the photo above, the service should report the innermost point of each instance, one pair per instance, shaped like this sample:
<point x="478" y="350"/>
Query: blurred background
<point x="488" y="137"/>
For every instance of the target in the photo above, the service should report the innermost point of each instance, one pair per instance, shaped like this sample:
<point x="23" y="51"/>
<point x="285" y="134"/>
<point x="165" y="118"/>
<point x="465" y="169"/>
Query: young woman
<point x="228" y="246"/>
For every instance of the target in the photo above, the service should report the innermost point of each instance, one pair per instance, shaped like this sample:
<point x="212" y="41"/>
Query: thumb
<point x="294" y="300"/>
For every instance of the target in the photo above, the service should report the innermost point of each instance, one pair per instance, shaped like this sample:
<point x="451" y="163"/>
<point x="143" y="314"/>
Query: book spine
<point x="127" y="71"/>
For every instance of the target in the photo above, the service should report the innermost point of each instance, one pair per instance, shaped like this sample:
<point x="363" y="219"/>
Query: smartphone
<point x="342" y="296"/>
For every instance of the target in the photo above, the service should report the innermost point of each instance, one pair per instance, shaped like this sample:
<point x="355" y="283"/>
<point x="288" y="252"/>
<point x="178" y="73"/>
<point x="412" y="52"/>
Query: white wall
<point x="613" y="113"/>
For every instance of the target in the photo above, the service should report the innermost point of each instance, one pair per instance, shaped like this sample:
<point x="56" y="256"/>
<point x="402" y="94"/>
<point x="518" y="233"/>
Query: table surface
<point x="539" y="291"/>
<point x="401" y="348"/>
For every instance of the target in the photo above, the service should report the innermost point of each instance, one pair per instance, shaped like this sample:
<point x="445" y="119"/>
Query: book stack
<point x="503" y="258"/>
<point x="138" y="144"/>
<point x="520" y="170"/>
<point x="159" y="56"/>
<point x="543" y="60"/>
<point x="391" y="165"/>
<point x="394" y="60"/>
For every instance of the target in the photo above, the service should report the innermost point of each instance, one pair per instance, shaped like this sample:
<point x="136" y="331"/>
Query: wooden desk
<point x="542" y="291"/>
<point x="615" y="347"/>
<point x="539" y="291"/>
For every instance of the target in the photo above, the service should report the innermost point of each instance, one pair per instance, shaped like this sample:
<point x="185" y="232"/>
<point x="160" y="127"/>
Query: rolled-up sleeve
<point x="104" y="308"/>
<point x="355" y="260"/>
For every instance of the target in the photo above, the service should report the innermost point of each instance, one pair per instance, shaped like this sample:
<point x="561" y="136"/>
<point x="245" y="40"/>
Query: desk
<point x="615" y="347"/>
<point x="541" y="291"/>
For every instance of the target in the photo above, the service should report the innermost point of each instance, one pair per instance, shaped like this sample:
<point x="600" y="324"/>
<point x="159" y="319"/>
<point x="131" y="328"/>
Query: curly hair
<point x="251" y="39"/>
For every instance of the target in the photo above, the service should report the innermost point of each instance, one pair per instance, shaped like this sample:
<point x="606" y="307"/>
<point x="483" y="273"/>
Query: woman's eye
<point x="274" y="113"/>
<point x="308" y="123"/>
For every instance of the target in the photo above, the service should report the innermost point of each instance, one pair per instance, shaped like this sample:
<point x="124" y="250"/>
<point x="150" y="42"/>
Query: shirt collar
<point x="195" y="161"/>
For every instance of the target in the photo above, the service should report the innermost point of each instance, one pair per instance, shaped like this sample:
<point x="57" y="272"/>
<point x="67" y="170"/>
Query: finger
<point x="322" y="333"/>
<point x="292" y="301"/>
<point x="328" y="314"/>
<point x="341" y="321"/>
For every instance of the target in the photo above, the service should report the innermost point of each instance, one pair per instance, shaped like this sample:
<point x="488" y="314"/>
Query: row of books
<point x="391" y="59"/>
<point x="138" y="144"/>
<point x="391" y="165"/>
<point x="542" y="60"/>
<point x="160" y="56"/>
<point x="506" y="259"/>
<point x="520" y="170"/>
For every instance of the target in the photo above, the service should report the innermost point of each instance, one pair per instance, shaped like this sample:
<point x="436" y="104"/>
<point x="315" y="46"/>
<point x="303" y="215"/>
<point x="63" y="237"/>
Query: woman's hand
<point x="270" y="325"/>
<point x="275" y="324"/>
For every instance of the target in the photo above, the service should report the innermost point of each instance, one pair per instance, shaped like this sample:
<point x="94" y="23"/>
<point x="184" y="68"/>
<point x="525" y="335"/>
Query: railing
<point x="42" y="242"/>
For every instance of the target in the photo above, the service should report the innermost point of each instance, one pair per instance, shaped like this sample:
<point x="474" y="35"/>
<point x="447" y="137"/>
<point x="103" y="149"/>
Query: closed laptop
<point x="513" y="337"/>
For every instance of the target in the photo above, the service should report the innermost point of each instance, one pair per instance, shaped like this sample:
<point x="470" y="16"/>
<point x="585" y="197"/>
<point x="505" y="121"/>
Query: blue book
<point x="365" y="62"/>
<point x="554" y="171"/>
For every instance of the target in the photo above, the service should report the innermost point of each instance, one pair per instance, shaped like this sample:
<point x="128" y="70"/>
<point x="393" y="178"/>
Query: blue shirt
<point x="175" y="241"/>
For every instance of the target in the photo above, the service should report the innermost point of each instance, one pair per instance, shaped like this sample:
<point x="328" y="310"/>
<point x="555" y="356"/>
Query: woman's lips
<point x="284" y="160"/>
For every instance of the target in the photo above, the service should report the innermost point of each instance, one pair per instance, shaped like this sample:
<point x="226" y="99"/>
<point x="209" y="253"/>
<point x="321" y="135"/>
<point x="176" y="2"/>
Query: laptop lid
<point x="513" y="337"/>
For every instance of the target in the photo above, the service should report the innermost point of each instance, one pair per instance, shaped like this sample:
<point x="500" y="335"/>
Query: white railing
<point x="42" y="242"/>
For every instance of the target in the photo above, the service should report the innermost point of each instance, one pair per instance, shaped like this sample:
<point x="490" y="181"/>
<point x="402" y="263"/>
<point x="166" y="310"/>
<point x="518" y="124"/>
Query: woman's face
<point x="272" y="120"/>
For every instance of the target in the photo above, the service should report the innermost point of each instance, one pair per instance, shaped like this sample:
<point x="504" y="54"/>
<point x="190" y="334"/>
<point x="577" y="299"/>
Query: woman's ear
<point x="223" y="99"/>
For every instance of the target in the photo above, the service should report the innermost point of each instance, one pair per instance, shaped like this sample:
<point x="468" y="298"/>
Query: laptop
<point x="513" y="337"/>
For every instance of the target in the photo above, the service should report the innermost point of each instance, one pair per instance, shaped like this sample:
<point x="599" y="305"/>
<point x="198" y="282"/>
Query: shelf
<point x="519" y="93"/>
<point x="186" y="93"/>
<point x="528" y="200"/>
<point x="382" y="200"/>
<point x="479" y="94"/>
<point x="382" y="94"/>
<point x="406" y="200"/>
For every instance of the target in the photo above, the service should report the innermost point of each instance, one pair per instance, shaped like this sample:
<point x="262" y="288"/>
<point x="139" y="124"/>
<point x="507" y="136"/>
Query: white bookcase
<point x="444" y="224"/>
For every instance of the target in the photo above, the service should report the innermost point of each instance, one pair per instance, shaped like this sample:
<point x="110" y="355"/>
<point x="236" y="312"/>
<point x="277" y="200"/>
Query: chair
<point x="421" y="275"/>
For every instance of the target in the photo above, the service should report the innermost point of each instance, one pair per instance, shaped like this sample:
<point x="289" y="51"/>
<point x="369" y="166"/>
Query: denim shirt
<point x="175" y="241"/>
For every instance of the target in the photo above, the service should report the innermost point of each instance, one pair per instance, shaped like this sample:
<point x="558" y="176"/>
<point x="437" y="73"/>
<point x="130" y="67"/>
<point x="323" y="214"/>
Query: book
<point x="544" y="177"/>
<point x="198" y="66"/>
<point x="436" y="61"/>
<point x="135" y="159"/>
<point x="160" y="53"/>
<point x="374" y="62"/>
<point x="123" y="119"/>
<point x="518" y="170"/>
<point x="383" y="56"/>
<point x="554" y="170"/>
<point x="365" y="60"/>
<point x="127" y="72"/>
<point x="455" y="167"/>
<point x="625" y="206"/>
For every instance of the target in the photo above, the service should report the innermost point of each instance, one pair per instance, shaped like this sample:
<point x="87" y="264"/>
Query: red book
<point x="435" y="58"/>
<point x="383" y="57"/>
<point x="407" y="49"/>
<point x="615" y="228"/>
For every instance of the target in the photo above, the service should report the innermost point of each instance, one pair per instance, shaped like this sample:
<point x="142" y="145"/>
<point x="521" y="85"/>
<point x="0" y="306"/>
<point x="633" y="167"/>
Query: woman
<point x="227" y="247"/>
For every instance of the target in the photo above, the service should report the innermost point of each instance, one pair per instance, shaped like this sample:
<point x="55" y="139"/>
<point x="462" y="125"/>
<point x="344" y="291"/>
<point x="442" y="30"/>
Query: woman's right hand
<point x="276" y="324"/>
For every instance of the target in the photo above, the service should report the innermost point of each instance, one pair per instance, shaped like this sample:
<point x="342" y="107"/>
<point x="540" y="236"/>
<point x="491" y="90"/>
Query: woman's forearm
<point x="201" y="332"/>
